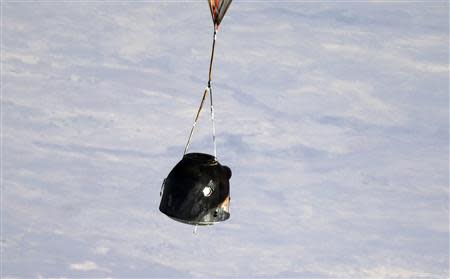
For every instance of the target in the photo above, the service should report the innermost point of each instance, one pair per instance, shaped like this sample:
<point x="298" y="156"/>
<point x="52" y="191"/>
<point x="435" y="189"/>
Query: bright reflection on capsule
<point x="207" y="191"/>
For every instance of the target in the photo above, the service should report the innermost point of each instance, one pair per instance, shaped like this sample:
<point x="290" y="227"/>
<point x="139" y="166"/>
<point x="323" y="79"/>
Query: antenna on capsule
<point x="195" y="229"/>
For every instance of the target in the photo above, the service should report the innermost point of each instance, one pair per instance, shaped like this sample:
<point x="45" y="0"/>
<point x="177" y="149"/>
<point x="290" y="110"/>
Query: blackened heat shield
<point x="197" y="191"/>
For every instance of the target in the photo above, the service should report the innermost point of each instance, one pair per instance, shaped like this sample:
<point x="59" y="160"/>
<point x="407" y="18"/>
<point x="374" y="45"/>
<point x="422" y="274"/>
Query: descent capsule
<point x="197" y="191"/>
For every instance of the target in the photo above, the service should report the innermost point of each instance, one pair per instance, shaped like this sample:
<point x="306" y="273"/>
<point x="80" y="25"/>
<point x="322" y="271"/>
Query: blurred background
<point x="333" y="116"/>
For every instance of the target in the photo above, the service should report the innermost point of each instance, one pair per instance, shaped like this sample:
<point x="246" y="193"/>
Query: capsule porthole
<point x="207" y="191"/>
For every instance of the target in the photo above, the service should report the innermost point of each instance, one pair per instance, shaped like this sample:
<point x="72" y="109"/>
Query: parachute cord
<point x="212" y="121"/>
<point x="207" y="90"/>
<point x="212" y="56"/>
<point x="195" y="121"/>
<point x="210" y="91"/>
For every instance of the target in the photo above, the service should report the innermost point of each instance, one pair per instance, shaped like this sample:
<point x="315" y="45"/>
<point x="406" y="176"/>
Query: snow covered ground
<point x="334" y="118"/>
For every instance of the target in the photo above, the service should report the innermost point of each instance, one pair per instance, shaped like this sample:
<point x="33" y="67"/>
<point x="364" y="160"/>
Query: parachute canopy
<point x="218" y="10"/>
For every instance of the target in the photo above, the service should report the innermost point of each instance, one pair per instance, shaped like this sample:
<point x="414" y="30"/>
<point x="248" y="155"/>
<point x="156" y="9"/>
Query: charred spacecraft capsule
<point x="197" y="191"/>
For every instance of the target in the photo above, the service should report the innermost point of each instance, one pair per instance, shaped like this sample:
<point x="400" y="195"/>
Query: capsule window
<point x="207" y="191"/>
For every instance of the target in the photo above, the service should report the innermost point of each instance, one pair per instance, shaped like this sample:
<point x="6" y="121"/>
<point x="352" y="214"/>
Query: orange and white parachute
<point x="218" y="9"/>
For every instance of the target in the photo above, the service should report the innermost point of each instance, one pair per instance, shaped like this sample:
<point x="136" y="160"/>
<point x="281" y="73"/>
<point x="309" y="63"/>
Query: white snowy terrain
<point x="334" y="118"/>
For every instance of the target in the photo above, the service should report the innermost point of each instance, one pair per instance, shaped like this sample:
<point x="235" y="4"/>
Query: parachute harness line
<point x="207" y="91"/>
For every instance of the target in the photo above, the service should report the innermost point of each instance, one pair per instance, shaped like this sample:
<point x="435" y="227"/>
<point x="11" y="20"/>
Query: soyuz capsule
<point x="197" y="191"/>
